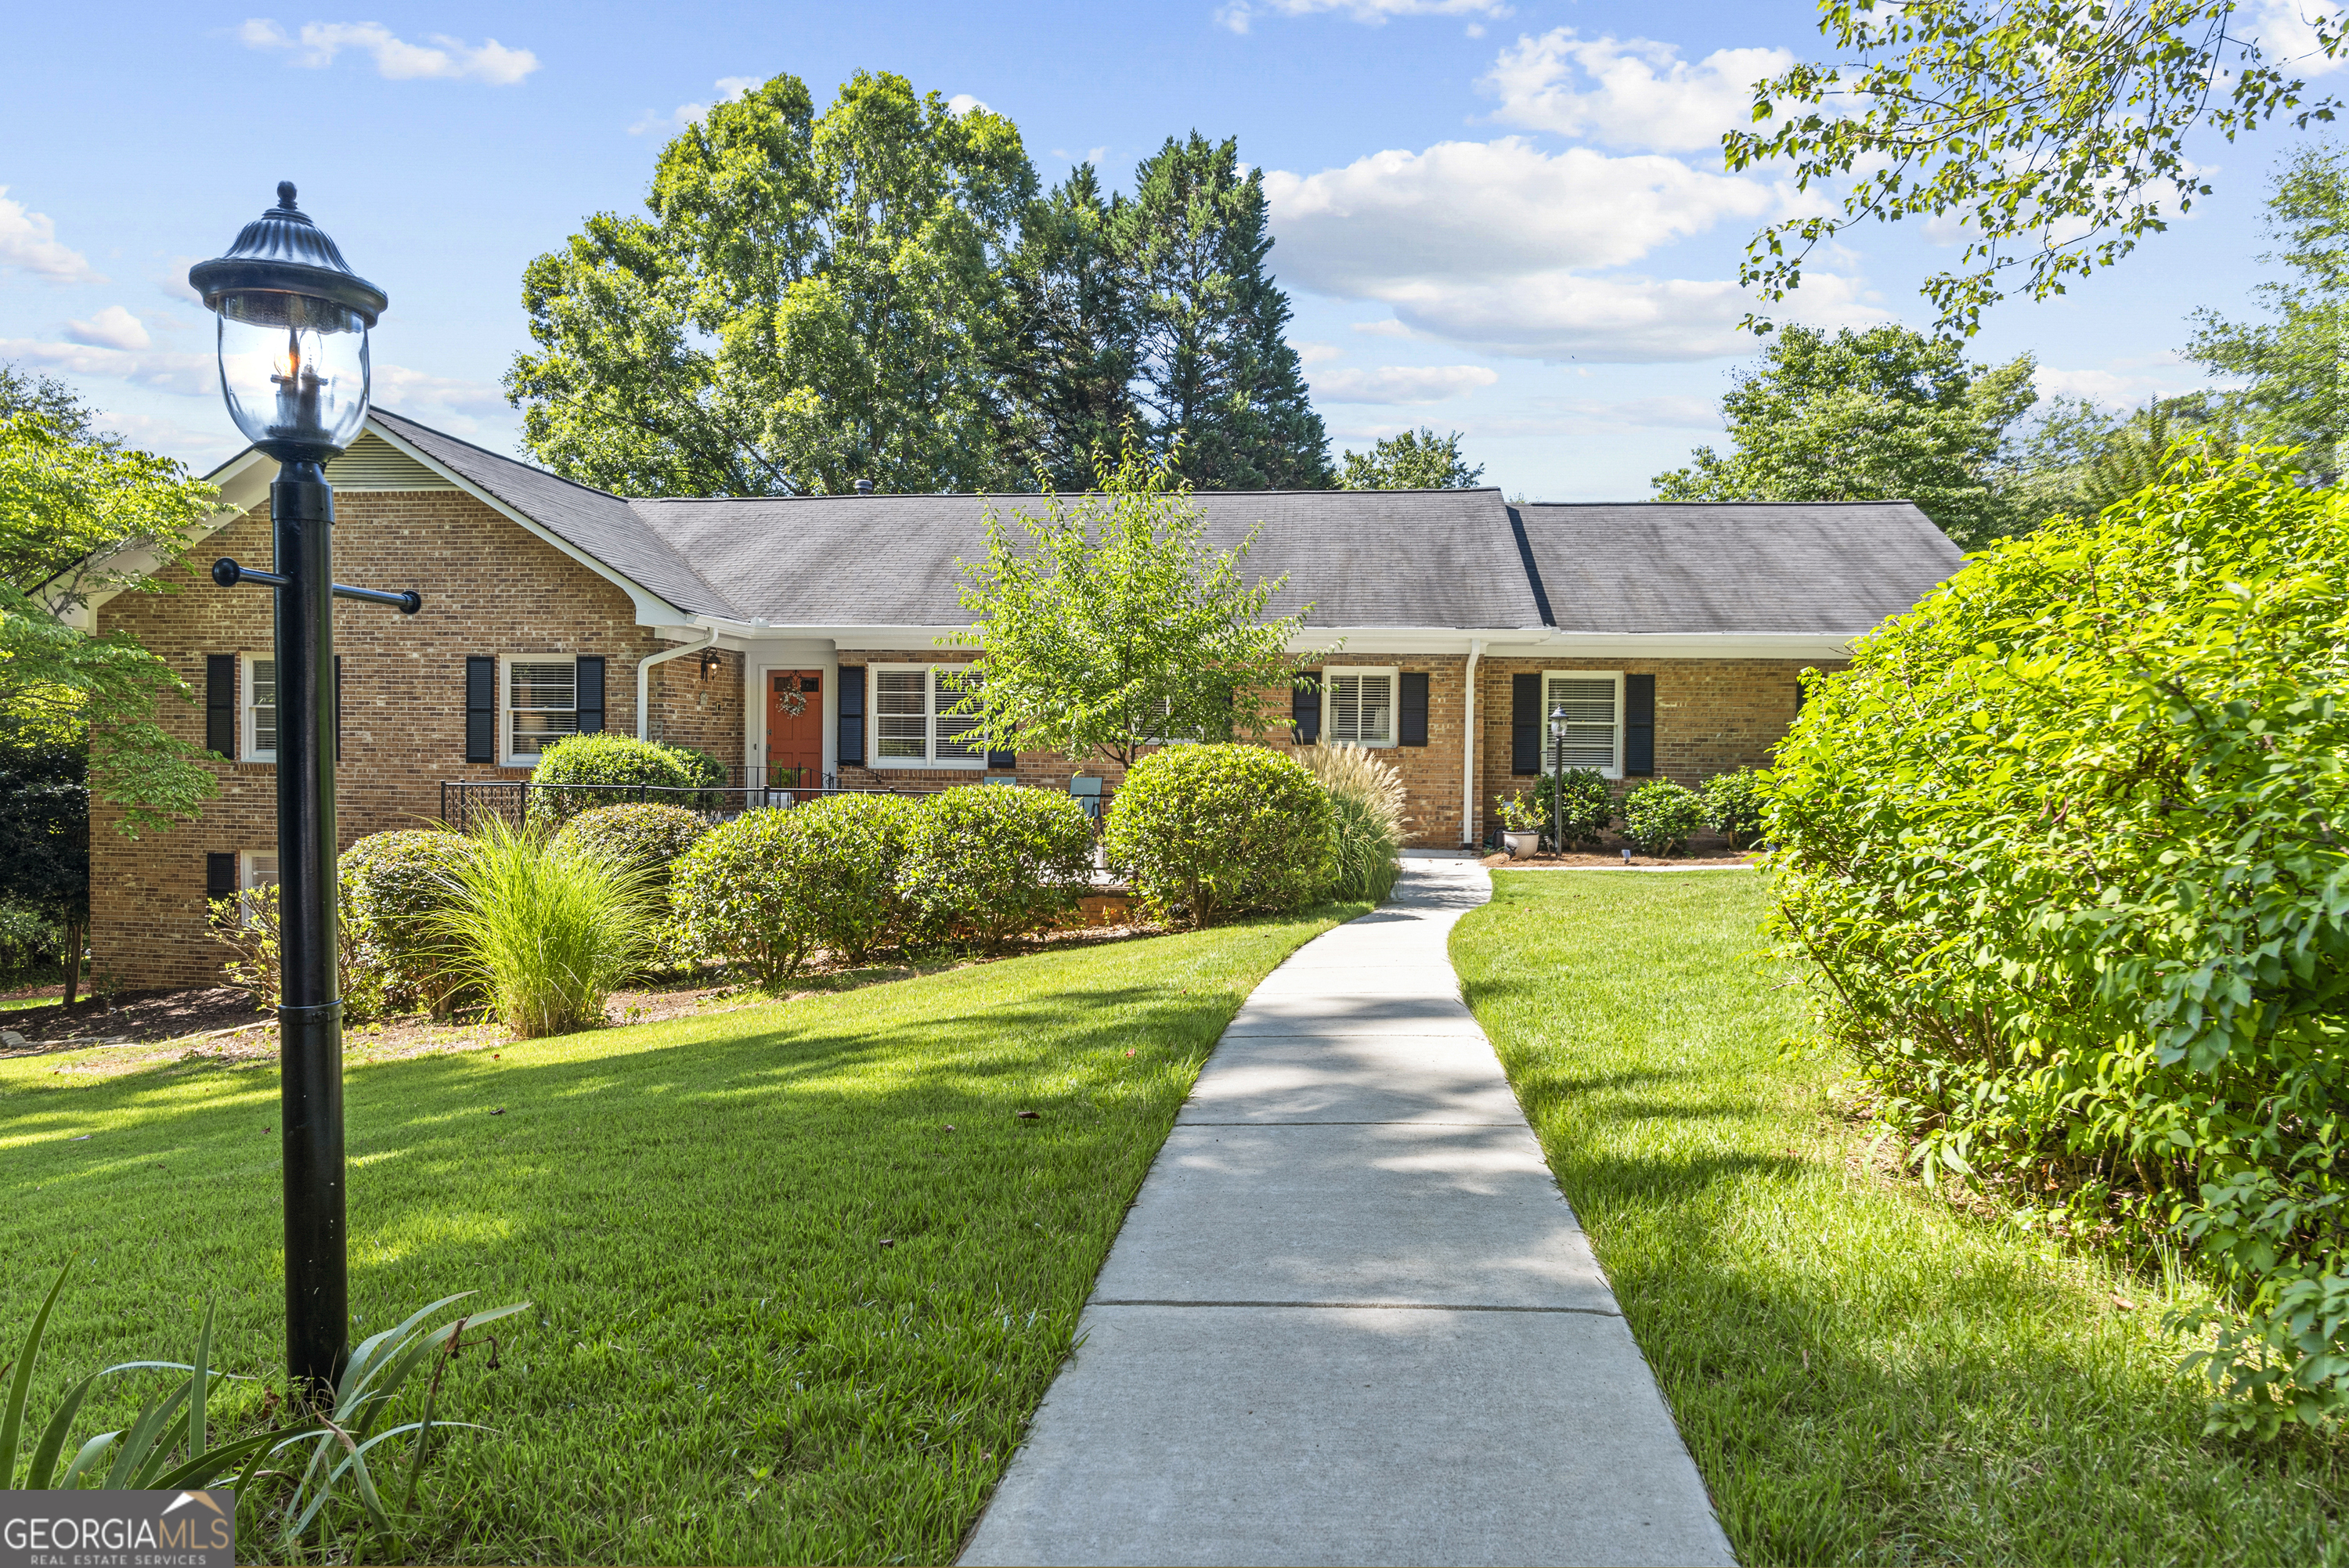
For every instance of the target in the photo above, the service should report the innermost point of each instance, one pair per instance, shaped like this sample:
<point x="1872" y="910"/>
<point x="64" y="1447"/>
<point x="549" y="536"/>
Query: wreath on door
<point x="791" y="700"/>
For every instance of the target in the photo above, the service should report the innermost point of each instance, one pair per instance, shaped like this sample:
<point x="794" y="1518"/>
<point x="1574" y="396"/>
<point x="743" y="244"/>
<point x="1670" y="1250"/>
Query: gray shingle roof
<point x="1835" y="567"/>
<point x="591" y="520"/>
<point x="1403" y="558"/>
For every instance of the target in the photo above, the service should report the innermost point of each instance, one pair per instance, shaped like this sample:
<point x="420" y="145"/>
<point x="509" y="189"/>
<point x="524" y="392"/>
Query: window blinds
<point x="1589" y="704"/>
<point x="543" y="698"/>
<point x="1361" y="709"/>
<point x="901" y="706"/>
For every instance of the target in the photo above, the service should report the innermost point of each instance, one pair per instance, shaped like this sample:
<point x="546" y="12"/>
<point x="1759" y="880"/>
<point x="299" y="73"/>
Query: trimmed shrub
<point x="2065" y="849"/>
<point x="616" y="759"/>
<point x="1659" y="815"/>
<point x="1369" y="798"/>
<point x="994" y="862"/>
<point x="395" y="887"/>
<point x="1590" y="804"/>
<point x="1207" y="832"/>
<point x="544" y="931"/>
<point x="764" y="892"/>
<point x="1732" y="805"/>
<point x="647" y="839"/>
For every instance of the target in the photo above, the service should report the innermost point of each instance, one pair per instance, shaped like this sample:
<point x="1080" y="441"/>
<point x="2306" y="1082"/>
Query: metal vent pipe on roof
<point x="864" y="487"/>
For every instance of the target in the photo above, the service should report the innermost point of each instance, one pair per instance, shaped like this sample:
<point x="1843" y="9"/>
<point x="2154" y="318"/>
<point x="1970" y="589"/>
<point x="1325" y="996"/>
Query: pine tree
<point x="1068" y="376"/>
<point x="1214" y="370"/>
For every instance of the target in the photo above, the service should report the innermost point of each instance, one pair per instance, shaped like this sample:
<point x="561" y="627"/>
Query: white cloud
<point x="113" y="327"/>
<point x="2123" y="386"/>
<point x="163" y="369"/>
<point x="173" y="281"/>
<point x="962" y="104"/>
<point x="28" y="242"/>
<point x="2285" y="31"/>
<point x="441" y="57"/>
<point x="1581" y="416"/>
<point x="1638" y="93"/>
<point x="201" y="446"/>
<point x="1389" y="327"/>
<point x="1240" y="15"/>
<point x="1318" y="353"/>
<point x="1401" y="383"/>
<point x="731" y="89"/>
<point x="416" y="388"/>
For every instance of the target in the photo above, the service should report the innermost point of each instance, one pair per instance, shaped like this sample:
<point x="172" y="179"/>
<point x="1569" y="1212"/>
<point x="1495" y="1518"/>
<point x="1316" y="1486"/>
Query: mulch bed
<point x="1704" y="849"/>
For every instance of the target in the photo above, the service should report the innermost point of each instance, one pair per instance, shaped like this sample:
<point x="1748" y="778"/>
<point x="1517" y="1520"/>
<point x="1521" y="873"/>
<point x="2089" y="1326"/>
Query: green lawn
<point x="726" y="1364"/>
<point x="1863" y="1373"/>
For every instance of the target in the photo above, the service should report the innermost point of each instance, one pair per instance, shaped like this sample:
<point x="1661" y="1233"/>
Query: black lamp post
<point x="293" y="322"/>
<point x="1558" y="779"/>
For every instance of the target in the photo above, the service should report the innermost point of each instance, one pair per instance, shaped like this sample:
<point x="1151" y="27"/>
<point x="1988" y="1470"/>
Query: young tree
<point x="1881" y="415"/>
<point x="1219" y="379"/>
<point x="2295" y="366"/>
<point x="44" y="836"/>
<point x="1416" y="459"/>
<point x="1114" y="625"/>
<point x="1070" y="358"/>
<point x="2055" y="131"/>
<point x="78" y="516"/>
<point x="814" y="300"/>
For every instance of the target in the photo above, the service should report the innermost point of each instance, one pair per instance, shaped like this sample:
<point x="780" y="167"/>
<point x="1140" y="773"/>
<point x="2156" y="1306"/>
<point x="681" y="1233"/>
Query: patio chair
<point x="1088" y="793"/>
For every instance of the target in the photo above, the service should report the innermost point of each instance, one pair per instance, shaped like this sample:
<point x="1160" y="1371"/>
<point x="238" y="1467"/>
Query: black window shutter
<point x="1525" y="724"/>
<point x="1639" y="724"/>
<point x="1002" y="759"/>
<point x="220" y="705"/>
<point x="590" y="695"/>
<point x="1410" y="711"/>
<point x="1798" y="694"/>
<point x="481" y="709"/>
<point x="850" y="744"/>
<point x="220" y="877"/>
<point x="1304" y="709"/>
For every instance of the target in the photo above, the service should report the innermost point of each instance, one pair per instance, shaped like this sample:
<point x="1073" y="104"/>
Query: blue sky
<point x="1499" y="216"/>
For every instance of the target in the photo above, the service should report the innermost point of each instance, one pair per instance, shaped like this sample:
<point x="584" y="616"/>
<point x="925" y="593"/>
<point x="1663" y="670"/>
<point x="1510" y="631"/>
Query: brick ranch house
<point x="796" y="640"/>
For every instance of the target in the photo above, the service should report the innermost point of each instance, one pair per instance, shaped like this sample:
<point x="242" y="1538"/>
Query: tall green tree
<point x="1108" y="622"/>
<point x="1218" y="382"/>
<point x="812" y="300"/>
<point x="1070" y="358"/>
<point x="1881" y="415"/>
<point x="2294" y="366"/>
<point x="1416" y="459"/>
<point x="2055" y="131"/>
<point x="81" y="514"/>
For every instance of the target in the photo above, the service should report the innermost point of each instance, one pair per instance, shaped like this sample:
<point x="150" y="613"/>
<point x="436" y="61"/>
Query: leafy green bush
<point x="994" y="860"/>
<point x="648" y="839"/>
<point x="1590" y="804"/>
<point x="545" y="932"/>
<point x="31" y="942"/>
<point x="2065" y="846"/>
<point x="764" y="892"/>
<point x="1732" y="805"/>
<point x="617" y="760"/>
<point x="1368" y="798"/>
<point x="1207" y="832"/>
<point x="396" y="886"/>
<point x="1659" y="815"/>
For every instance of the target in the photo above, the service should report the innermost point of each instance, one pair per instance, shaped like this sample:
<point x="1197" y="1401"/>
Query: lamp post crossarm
<point x="228" y="574"/>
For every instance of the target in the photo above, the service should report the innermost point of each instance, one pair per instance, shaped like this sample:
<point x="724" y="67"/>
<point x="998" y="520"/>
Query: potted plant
<point x="1521" y="822"/>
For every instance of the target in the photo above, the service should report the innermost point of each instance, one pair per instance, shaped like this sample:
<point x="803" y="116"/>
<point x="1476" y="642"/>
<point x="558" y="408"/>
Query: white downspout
<point x="645" y="682"/>
<point x="1468" y="752"/>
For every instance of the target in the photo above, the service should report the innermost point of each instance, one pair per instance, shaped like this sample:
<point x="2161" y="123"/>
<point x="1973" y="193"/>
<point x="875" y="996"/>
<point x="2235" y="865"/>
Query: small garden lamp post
<point x="293" y="322"/>
<point x="1558" y="779"/>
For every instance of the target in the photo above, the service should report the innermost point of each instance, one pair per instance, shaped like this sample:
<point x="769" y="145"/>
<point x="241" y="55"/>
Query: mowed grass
<point x="1863" y="1373"/>
<point x="727" y="1364"/>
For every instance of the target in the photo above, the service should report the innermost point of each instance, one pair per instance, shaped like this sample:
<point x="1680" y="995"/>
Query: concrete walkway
<point x="1349" y="1319"/>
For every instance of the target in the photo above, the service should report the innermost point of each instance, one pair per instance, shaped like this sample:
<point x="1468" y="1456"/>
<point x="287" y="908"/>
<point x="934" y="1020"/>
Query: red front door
<point x="794" y="729"/>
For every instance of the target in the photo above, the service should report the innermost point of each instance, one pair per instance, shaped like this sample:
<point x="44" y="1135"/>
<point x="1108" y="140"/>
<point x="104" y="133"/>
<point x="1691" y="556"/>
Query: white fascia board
<point x="1698" y="644"/>
<point x="1312" y="640"/>
<point x="652" y="610"/>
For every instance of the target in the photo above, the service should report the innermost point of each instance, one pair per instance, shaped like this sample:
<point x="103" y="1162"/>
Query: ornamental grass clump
<point x="2067" y="849"/>
<point x="1205" y="833"/>
<point x="648" y="839"/>
<point x="1368" y="798"/>
<point x="544" y="931"/>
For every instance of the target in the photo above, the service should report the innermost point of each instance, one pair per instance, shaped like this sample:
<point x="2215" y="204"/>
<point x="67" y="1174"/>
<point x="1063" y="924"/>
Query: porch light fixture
<point x="293" y="321"/>
<point x="1558" y="779"/>
<point x="712" y="661"/>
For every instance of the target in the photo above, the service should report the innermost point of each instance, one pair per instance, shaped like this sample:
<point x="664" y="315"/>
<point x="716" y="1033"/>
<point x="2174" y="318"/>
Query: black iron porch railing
<point x="464" y="802"/>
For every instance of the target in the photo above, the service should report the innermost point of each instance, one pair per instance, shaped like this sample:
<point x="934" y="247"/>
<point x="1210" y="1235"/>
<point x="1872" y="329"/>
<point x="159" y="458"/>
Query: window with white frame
<point x="1360" y="706"/>
<point x="1593" y="704"/>
<point x="911" y="726"/>
<point x="256" y="869"/>
<point x="542" y="705"/>
<point x="260" y="703"/>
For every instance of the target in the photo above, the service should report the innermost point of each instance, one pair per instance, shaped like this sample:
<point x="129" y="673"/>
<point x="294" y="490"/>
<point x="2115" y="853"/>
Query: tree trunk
<point x="76" y="938"/>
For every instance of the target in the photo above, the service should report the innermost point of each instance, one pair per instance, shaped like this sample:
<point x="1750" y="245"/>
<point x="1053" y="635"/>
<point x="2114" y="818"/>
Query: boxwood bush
<point x="1732" y="806"/>
<point x="1590" y="804"/>
<point x="993" y="861"/>
<point x="1207" y="832"/>
<point x="616" y="759"/>
<point x="647" y="839"/>
<point x="1659" y="815"/>
<point x="2068" y="849"/>
<point x="765" y="892"/>
<point x="397" y="887"/>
